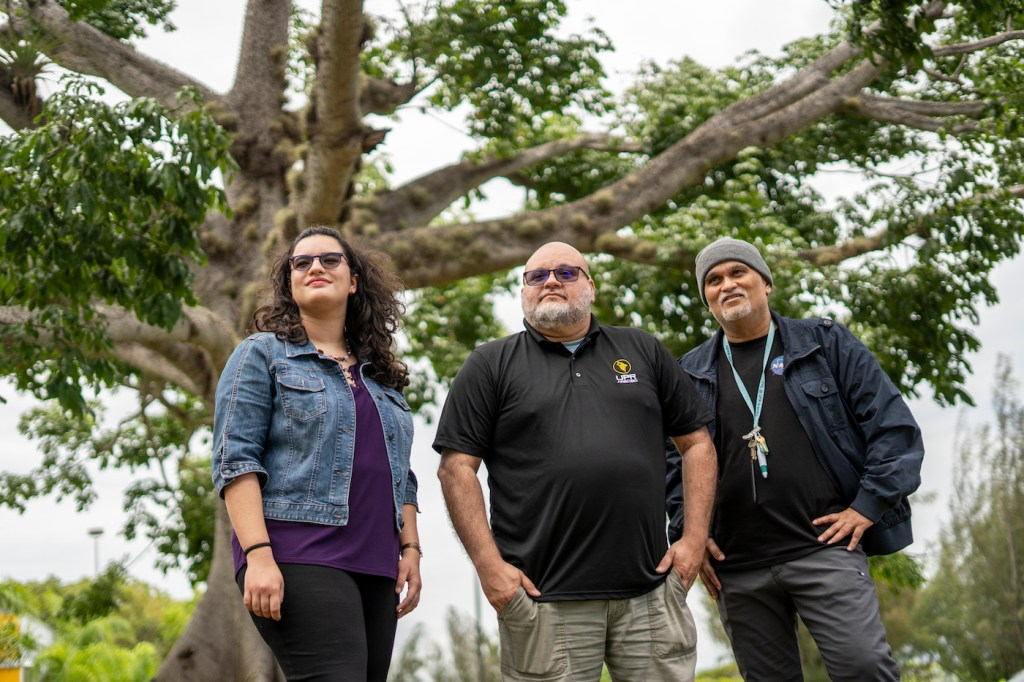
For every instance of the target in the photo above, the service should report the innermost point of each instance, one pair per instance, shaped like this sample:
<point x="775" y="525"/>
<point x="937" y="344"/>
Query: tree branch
<point x="808" y="80"/>
<point x="954" y="78"/>
<point x="336" y="136"/>
<point x="978" y="45"/>
<point x="87" y="50"/>
<point x="437" y="255"/>
<point x="190" y="355"/>
<point x="155" y="365"/>
<point x="927" y="108"/>
<point x="421" y="200"/>
<point x="382" y="97"/>
<point x="255" y="100"/>
<point x="201" y="330"/>
<point x="835" y="254"/>
<point x="260" y="77"/>
<point x="890" y="110"/>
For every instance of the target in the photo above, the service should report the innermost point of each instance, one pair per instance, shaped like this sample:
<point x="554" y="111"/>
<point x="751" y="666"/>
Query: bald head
<point x="554" y="254"/>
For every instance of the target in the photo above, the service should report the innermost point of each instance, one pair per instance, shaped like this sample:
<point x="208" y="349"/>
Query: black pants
<point x="336" y="626"/>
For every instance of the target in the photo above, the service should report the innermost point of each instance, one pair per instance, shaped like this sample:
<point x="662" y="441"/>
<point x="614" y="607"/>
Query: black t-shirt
<point x="574" y="448"/>
<point x="776" y="527"/>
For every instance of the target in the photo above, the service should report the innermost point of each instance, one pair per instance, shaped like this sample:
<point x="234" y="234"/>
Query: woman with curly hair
<point x="312" y="438"/>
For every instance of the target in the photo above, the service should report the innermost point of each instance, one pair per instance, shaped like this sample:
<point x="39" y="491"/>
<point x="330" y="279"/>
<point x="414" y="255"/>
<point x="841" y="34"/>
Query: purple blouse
<point x="369" y="542"/>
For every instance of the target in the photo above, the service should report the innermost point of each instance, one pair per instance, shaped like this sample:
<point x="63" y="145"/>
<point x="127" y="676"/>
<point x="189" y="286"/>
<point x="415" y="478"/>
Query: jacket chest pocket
<point x="302" y="397"/>
<point x="823" y="396"/>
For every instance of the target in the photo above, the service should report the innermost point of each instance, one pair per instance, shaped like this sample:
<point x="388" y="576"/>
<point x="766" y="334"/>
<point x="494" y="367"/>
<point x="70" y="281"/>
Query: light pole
<point x="96" y="533"/>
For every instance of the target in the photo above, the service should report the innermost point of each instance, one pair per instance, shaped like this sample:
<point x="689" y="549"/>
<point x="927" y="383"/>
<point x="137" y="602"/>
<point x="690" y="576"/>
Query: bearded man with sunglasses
<point x="569" y="416"/>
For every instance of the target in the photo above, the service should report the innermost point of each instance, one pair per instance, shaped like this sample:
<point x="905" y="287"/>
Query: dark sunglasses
<point x="565" y="273"/>
<point x="329" y="261"/>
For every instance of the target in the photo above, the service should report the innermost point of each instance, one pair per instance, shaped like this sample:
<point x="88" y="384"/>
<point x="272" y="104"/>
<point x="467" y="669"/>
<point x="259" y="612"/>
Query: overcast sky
<point x="51" y="539"/>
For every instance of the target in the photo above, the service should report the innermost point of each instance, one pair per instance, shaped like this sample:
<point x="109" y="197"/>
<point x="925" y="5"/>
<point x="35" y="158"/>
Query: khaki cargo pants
<point x="650" y="638"/>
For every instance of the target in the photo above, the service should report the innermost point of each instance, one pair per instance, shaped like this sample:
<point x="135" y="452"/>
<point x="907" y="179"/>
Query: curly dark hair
<point x="372" y="318"/>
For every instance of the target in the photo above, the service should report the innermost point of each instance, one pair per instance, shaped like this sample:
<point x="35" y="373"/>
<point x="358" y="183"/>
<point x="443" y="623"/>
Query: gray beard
<point x="559" y="315"/>
<point x="733" y="314"/>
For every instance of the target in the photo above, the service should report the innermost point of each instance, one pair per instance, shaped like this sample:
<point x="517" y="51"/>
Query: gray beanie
<point x="725" y="249"/>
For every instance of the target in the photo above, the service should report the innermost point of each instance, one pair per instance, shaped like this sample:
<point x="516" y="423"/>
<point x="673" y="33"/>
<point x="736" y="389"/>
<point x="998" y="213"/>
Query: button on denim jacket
<point x="288" y="415"/>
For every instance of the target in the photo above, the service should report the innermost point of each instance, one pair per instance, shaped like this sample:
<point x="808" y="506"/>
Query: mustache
<point x="722" y="297"/>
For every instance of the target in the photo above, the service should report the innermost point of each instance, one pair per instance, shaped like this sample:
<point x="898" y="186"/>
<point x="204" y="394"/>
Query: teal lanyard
<point x="755" y="439"/>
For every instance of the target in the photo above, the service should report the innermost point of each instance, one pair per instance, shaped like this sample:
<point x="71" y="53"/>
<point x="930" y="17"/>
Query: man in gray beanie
<point x="817" y="454"/>
<point x="726" y="249"/>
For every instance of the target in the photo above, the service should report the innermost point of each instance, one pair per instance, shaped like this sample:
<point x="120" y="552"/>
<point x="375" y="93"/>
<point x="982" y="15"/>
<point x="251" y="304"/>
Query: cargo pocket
<point x="673" y="630"/>
<point x="532" y="637"/>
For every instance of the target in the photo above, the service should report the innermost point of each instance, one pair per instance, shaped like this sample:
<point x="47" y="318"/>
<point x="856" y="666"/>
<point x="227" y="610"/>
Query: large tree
<point x="134" y="238"/>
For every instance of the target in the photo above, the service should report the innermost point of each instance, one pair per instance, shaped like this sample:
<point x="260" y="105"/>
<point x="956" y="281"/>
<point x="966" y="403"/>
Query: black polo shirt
<point x="574" y="447"/>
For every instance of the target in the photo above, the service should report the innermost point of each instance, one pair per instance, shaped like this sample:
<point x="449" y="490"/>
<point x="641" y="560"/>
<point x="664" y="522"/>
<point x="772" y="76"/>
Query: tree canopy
<point x="161" y="213"/>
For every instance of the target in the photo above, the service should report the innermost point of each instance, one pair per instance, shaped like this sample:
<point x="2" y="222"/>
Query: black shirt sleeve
<point x="683" y="410"/>
<point x="467" y="418"/>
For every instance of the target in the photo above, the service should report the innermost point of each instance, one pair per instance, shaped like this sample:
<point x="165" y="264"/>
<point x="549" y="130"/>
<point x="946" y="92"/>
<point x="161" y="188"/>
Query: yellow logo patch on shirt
<point x="623" y="372"/>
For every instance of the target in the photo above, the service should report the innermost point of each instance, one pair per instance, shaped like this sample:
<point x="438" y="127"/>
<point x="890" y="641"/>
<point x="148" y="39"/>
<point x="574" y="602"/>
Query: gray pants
<point x="650" y="638"/>
<point x="832" y="591"/>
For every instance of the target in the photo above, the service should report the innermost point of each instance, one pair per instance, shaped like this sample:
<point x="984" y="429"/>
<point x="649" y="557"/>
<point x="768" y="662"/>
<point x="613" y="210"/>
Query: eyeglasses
<point x="329" y="261"/>
<point x="565" y="273"/>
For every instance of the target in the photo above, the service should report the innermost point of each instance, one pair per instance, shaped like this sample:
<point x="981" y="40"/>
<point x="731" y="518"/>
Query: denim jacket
<point x="858" y="423"/>
<point x="288" y="415"/>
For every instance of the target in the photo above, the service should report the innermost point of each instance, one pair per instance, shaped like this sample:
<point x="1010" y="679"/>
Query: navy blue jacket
<point x="858" y="423"/>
